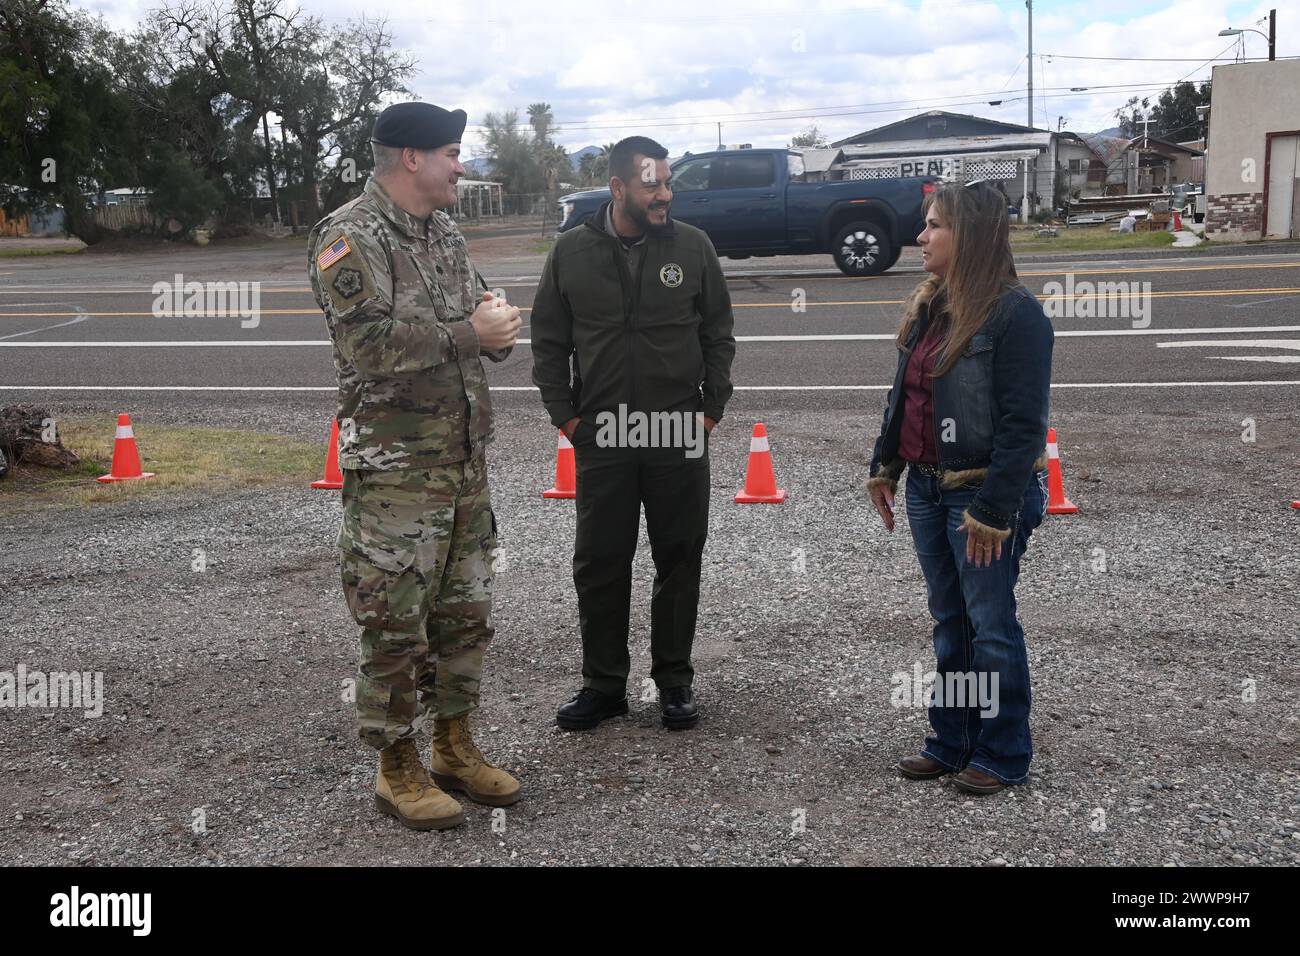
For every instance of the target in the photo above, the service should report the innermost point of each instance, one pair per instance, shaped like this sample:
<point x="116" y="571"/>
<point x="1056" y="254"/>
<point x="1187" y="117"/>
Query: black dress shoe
<point x="588" y="708"/>
<point x="677" y="704"/>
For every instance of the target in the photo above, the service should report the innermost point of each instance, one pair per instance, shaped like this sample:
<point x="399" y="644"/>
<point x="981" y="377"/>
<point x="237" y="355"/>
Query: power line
<point x="857" y="109"/>
<point x="641" y="19"/>
<point x="1207" y="62"/>
<point x="675" y="124"/>
<point x="1014" y="72"/>
<point x="1158" y="59"/>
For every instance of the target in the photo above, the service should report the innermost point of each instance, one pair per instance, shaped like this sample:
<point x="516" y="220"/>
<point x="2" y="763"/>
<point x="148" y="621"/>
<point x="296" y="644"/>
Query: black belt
<point x="930" y="471"/>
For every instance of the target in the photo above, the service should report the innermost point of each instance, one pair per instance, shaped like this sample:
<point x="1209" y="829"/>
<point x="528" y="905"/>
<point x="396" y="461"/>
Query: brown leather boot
<point x="921" y="768"/>
<point x="978" y="782"/>
<point x="458" y="764"/>
<point x="403" y="790"/>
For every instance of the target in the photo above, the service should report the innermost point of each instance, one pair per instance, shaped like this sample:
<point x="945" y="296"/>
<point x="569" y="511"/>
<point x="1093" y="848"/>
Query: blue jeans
<point x="979" y="709"/>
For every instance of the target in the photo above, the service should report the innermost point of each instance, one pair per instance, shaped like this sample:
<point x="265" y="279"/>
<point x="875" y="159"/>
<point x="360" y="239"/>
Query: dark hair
<point x="626" y="150"/>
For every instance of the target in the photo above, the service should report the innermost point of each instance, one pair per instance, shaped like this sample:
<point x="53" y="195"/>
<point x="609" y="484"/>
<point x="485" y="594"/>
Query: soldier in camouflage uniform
<point x="409" y="317"/>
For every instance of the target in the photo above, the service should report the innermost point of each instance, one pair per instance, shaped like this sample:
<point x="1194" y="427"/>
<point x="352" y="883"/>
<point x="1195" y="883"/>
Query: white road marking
<point x="1239" y="343"/>
<point x="1293" y="344"/>
<point x="1251" y="305"/>
<point x="863" y="337"/>
<point x="530" y="388"/>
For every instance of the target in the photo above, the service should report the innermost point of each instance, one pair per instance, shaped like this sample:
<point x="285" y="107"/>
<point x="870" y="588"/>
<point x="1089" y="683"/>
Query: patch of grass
<point x="184" y="459"/>
<point x="542" y="247"/>
<point x="1089" y="239"/>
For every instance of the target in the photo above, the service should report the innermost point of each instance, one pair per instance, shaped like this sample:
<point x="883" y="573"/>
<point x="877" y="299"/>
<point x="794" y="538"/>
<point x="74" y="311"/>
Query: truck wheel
<point x="863" y="249"/>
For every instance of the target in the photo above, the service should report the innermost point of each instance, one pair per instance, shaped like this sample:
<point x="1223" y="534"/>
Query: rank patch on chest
<point x="337" y="250"/>
<point x="348" y="283"/>
<point x="671" y="275"/>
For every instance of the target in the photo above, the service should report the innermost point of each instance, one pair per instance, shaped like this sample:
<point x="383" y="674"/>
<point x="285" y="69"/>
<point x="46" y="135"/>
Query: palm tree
<point x="556" y="166"/>
<point x="540" y="118"/>
<point x="600" y="163"/>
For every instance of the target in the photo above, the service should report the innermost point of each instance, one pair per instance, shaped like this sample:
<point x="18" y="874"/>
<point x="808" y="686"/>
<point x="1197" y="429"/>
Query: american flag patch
<point x="334" y="253"/>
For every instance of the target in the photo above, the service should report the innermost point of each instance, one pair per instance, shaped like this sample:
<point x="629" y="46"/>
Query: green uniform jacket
<point x="657" y="341"/>
<point x="397" y="294"/>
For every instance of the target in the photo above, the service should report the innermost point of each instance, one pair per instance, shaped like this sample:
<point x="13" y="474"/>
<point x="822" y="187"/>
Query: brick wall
<point x="1234" y="216"/>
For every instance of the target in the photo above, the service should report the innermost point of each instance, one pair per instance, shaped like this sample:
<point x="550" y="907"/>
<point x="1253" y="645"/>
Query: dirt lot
<point x="1165" y="716"/>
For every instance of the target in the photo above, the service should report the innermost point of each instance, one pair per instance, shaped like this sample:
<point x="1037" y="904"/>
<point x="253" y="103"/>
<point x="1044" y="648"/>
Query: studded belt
<point x="930" y="471"/>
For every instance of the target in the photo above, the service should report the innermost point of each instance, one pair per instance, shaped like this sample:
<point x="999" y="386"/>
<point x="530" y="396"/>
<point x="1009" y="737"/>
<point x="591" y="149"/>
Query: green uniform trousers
<point x="417" y="551"/>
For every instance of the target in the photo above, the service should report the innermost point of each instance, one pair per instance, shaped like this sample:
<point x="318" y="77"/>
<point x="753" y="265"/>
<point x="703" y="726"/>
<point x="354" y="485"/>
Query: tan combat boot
<point x="403" y="790"/>
<point x="458" y="764"/>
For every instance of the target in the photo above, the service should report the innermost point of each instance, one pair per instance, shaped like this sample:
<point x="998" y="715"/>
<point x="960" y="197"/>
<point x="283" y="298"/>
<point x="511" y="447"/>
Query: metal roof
<point x="952" y="145"/>
<point x="820" y="160"/>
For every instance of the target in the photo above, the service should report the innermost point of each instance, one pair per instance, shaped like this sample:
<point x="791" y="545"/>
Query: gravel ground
<point x="222" y="688"/>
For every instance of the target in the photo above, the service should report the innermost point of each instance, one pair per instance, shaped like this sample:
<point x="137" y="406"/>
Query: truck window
<point x="692" y="176"/>
<point x="744" y="172"/>
<point x="796" y="167"/>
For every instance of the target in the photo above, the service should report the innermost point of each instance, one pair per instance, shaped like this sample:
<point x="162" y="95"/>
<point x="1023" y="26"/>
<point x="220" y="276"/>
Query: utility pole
<point x="1272" y="35"/>
<point x="1030" y="5"/>
<point x="719" y="136"/>
<point x="1024" y="201"/>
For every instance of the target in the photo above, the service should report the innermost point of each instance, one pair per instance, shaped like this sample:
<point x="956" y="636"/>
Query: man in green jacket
<point x="632" y="349"/>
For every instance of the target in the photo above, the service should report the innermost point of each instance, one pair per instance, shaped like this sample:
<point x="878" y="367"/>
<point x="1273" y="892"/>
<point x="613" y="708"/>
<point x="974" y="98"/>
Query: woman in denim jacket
<point x="968" y="414"/>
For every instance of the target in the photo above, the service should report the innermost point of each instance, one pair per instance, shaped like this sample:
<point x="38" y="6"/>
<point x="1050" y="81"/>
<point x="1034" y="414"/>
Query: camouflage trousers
<point x="417" y="550"/>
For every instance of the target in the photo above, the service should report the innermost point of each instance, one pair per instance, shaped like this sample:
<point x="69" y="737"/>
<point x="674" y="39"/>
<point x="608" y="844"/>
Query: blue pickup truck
<point x="754" y="202"/>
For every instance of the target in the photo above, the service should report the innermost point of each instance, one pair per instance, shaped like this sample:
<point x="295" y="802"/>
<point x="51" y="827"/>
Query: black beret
<point x="419" y="126"/>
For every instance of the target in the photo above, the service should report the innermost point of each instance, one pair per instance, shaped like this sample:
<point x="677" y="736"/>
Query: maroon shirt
<point x="916" y="441"/>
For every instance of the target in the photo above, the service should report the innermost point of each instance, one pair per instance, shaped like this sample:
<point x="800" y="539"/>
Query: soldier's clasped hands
<point x="496" y="322"/>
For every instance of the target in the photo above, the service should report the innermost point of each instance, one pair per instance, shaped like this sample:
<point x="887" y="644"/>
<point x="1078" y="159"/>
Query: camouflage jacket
<point x="397" y="294"/>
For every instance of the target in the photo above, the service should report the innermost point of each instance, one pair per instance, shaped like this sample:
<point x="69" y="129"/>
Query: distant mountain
<point x="482" y="168"/>
<point x="1113" y="131"/>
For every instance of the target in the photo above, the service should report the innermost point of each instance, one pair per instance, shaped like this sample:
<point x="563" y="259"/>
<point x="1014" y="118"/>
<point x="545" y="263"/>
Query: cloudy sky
<point x="767" y="69"/>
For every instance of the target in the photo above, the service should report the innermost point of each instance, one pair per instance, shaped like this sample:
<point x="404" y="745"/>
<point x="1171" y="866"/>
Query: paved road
<point x="822" y="338"/>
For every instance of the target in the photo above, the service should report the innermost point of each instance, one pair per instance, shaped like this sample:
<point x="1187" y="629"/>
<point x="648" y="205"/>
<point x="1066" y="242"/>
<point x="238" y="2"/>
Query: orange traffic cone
<point x="126" y="459"/>
<point x="566" y="481"/>
<point x="760" y="481"/>
<point x="333" y="479"/>
<point x="1057" y="503"/>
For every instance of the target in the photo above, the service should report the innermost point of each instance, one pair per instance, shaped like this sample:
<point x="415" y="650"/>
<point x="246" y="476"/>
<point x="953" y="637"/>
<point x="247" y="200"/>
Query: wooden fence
<point x="126" y="216"/>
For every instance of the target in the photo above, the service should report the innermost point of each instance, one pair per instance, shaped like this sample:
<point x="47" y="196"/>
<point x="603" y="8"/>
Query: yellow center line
<point x="1204" y="293"/>
<point x="281" y="291"/>
<point x="315" y="313"/>
<point x="296" y="290"/>
<point x="1122" y="269"/>
<point x="164" y="315"/>
<point x="1119" y="270"/>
